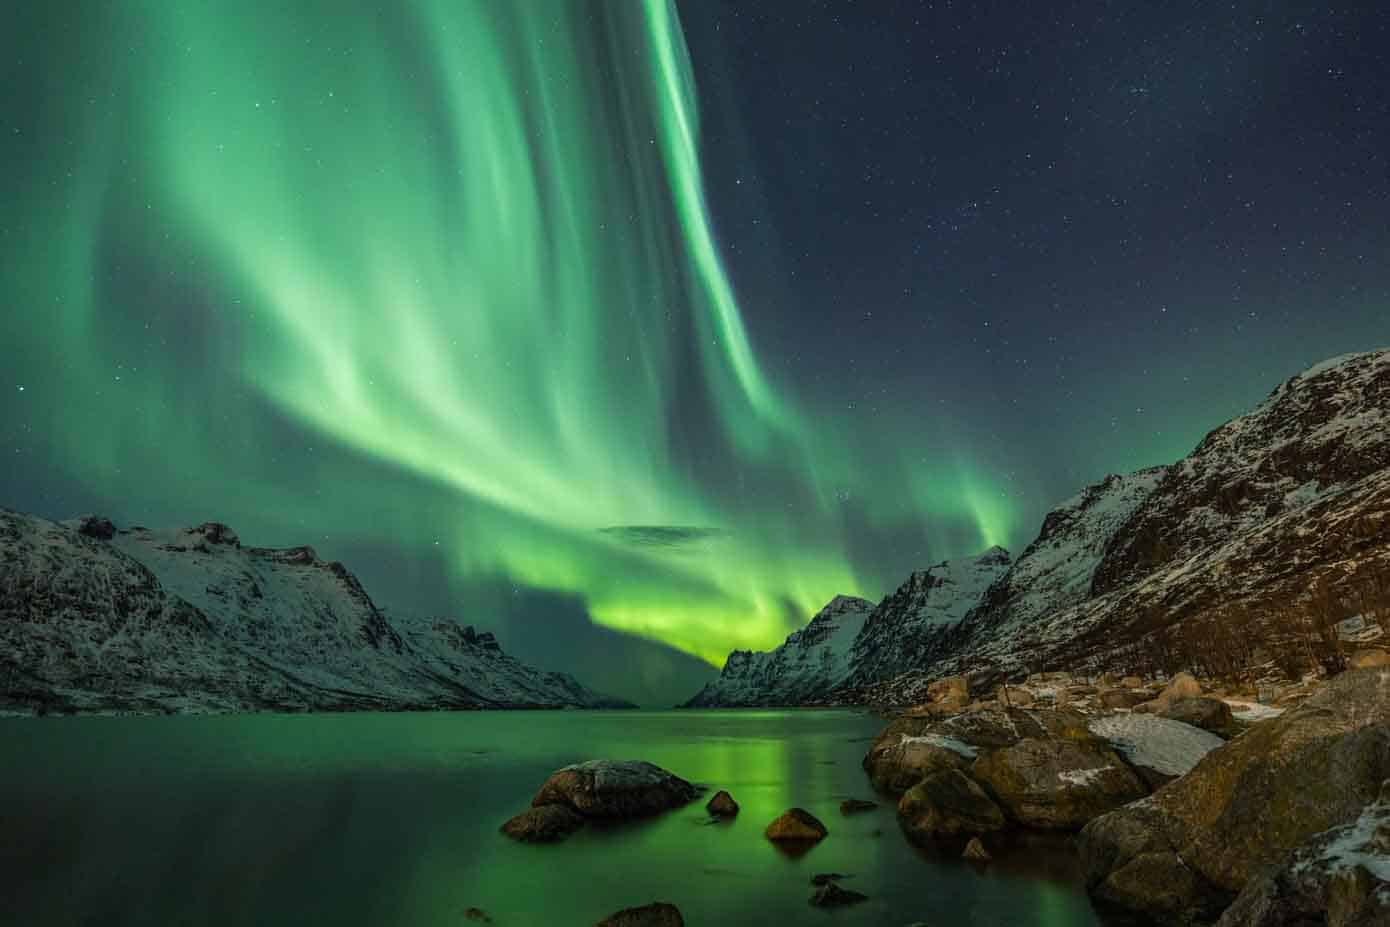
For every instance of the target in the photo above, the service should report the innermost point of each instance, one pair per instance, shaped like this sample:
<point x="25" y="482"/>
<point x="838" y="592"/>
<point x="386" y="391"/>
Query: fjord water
<point x="393" y="819"/>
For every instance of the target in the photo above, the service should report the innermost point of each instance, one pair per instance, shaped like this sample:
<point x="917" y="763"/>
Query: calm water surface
<point x="392" y="819"/>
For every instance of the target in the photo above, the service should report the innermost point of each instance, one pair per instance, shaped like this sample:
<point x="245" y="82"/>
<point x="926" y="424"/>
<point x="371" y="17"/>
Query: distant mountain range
<point x="95" y="618"/>
<point x="1274" y="528"/>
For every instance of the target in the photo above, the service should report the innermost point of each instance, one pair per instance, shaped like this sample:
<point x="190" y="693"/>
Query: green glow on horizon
<point x="469" y="243"/>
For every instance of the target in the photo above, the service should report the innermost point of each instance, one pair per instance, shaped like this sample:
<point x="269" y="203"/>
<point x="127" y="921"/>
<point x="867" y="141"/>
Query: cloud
<point x="665" y="536"/>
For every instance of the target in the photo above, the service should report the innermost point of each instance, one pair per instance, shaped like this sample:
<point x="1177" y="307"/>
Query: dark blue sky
<point x="1095" y="230"/>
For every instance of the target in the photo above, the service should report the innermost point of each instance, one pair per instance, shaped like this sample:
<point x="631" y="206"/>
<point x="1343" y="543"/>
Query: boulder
<point x="615" y="789"/>
<point x="822" y="878"/>
<point x="1183" y="685"/>
<point x="947" y="804"/>
<point x="722" y="805"/>
<point x="545" y="824"/>
<point x="656" y="914"/>
<point x="1013" y="695"/>
<point x="951" y="687"/>
<point x="909" y="749"/>
<point x="1247" y="805"/>
<point x="1340" y="878"/>
<point x="1058" y="784"/>
<point x="1210" y="714"/>
<point x="796" y="825"/>
<point x="1121" y="698"/>
<point x="1158" y="749"/>
<point x="1369" y="658"/>
<point x="856" y="806"/>
<point x="831" y="895"/>
<point x="975" y="851"/>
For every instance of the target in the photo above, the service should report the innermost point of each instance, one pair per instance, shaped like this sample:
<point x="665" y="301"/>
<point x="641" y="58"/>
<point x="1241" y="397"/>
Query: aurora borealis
<point x="466" y="294"/>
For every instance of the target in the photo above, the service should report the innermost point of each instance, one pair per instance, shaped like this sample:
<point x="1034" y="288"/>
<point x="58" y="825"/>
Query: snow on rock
<point x="930" y="604"/>
<point x="940" y="740"/>
<point x="1250" y="712"/>
<point x="810" y="663"/>
<point x="1168" y="747"/>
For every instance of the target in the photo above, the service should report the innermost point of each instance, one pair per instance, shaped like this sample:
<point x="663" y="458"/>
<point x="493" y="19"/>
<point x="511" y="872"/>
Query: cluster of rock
<point x="1251" y="821"/>
<point x="612" y="790"/>
<point x="1286" y="822"/>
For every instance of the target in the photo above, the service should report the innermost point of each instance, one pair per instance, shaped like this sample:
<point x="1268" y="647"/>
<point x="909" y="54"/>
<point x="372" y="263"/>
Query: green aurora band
<point x="458" y="259"/>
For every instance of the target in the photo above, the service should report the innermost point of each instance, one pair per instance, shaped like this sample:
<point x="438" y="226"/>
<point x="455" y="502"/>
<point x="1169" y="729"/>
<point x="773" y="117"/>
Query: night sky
<point x="635" y="332"/>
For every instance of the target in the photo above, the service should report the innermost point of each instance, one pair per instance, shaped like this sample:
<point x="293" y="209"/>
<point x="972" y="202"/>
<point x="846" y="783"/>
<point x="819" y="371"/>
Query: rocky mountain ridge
<point x="814" y="659"/>
<point x="95" y="618"/>
<point x="1274" y="528"/>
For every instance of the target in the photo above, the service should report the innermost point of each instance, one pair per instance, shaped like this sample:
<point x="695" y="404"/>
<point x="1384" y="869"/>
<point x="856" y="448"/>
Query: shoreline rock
<point x="1188" y="850"/>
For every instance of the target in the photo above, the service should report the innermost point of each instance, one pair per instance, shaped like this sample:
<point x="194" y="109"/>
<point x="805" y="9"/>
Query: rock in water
<point x="545" y="824"/>
<point x="1058" y="784"/>
<point x="722" y="805"/>
<point x="796" y="825"/>
<point x="1188" y="849"/>
<point x="947" y="804"/>
<point x="824" y="878"/>
<point x="856" y="806"/>
<point x="976" y="852"/>
<point x="615" y="789"/>
<point x="831" y="895"/>
<point x="656" y="914"/>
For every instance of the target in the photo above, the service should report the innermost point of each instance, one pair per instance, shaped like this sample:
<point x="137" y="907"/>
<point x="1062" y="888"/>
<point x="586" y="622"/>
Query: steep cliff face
<point x="809" y="664"/>
<point x="97" y="618"/>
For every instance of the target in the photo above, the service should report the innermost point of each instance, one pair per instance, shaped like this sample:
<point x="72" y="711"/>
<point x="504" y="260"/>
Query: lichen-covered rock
<point x="656" y="914"/>
<point x="545" y="824"/>
<point x="1250" y="803"/>
<point x="1210" y="714"/>
<point x="615" y="789"/>
<point x="722" y="805"/>
<point x="796" y="825"/>
<point x="1057" y="784"/>
<point x="948" y="804"/>
<point x="1340" y="878"/>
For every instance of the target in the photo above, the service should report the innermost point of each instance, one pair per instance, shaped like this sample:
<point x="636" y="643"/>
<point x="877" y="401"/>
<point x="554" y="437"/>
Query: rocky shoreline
<point x="1190" y="804"/>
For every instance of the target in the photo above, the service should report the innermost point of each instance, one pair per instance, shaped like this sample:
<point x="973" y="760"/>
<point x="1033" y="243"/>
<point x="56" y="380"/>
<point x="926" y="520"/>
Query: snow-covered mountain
<point x="95" y="618"/>
<point x="1291" y="497"/>
<point x="810" y="662"/>
<point x="932" y="602"/>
